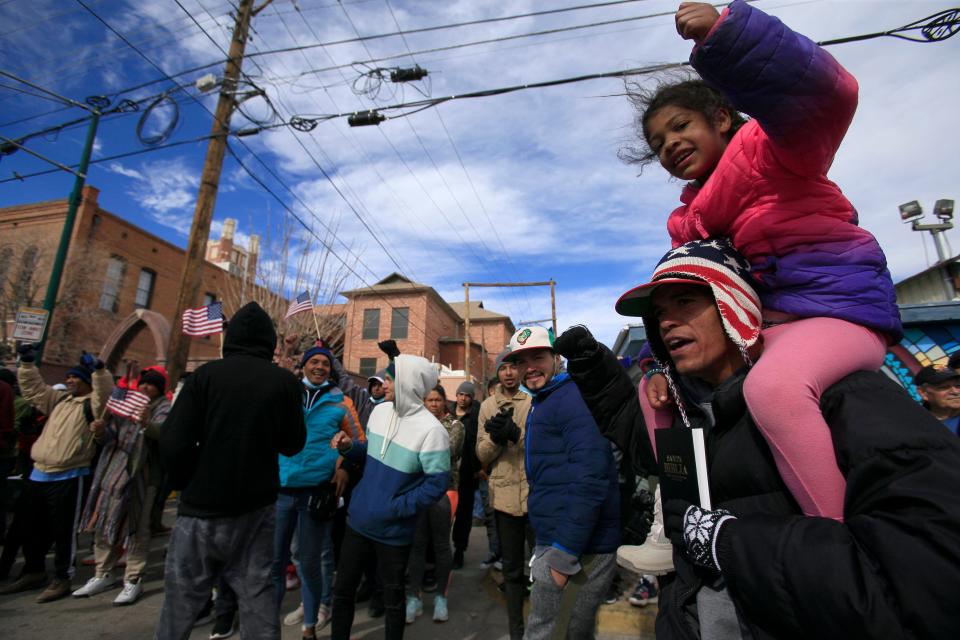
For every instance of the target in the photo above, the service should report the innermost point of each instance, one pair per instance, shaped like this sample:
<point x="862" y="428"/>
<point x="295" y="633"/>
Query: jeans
<point x="486" y="510"/>
<point x="391" y="565"/>
<point x="315" y="552"/>
<point x="432" y="523"/>
<point x="515" y="535"/>
<point x="203" y="550"/>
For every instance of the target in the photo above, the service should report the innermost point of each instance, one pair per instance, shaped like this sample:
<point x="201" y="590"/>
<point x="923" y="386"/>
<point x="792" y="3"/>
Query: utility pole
<point x="53" y="286"/>
<point x="192" y="276"/>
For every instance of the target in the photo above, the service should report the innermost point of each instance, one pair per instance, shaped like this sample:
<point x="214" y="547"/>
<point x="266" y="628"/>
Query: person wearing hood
<point x="574" y="498"/>
<point x="61" y="456"/>
<point x="220" y="447"/>
<point x="407" y="470"/>
<point x="314" y="477"/>
<point x="124" y="487"/>
<point x="751" y="564"/>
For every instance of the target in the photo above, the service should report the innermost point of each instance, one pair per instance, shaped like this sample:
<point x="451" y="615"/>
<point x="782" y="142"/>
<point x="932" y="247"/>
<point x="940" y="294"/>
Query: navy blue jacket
<point x="574" y="502"/>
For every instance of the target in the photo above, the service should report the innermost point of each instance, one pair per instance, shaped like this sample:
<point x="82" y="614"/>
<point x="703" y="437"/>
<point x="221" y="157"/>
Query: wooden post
<point x="553" y="305"/>
<point x="191" y="278"/>
<point x="466" y="332"/>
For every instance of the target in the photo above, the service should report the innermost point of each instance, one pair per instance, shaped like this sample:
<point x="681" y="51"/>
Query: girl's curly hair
<point x="690" y="93"/>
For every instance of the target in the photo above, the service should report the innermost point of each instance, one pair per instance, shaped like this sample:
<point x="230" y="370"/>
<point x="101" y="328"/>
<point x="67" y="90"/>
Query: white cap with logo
<point x="530" y="338"/>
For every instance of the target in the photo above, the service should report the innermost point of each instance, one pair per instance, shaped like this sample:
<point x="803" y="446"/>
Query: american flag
<point x="204" y="321"/>
<point x="302" y="303"/>
<point x="127" y="403"/>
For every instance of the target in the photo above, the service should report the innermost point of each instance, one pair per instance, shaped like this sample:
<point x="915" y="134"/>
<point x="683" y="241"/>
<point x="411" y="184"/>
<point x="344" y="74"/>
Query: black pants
<point x="515" y="536"/>
<point x="391" y="565"/>
<point x="463" y="521"/>
<point x="55" y="513"/>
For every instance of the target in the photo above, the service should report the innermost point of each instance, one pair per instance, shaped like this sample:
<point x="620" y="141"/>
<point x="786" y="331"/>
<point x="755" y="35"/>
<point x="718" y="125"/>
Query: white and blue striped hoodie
<point x="407" y="459"/>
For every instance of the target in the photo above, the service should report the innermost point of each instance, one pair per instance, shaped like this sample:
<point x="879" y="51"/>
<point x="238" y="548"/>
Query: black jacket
<point x="890" y="570"/>
<point x="469" y="463"/>
<point x="230" y="421"/>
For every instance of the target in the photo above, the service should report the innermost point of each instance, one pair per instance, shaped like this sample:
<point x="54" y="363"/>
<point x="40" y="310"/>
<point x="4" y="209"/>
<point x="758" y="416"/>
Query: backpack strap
<point x="88" y="410"/>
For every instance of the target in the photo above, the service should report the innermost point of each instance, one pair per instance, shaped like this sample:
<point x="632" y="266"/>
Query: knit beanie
<point x="468" y="388"/>
<point x="500" y="359"/>
<point x="82" y="372"/>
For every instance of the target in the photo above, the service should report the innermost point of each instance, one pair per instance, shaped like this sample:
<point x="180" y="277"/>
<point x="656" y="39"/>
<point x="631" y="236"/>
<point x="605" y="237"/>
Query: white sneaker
<point x="323" y="616"/>
<point x="130" y="593"/>
<point x="655" y="555"/>
<point x="294" y="617"/>
<point x="95" y="585"/>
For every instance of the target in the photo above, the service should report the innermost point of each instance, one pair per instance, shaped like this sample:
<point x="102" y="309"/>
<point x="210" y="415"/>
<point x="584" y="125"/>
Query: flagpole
<point x="315" y="323"/>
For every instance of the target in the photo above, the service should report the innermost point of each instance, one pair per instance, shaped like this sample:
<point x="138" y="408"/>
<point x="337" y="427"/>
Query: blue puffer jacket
<point x="574" y="502"/>
<point x="323" y="411"/>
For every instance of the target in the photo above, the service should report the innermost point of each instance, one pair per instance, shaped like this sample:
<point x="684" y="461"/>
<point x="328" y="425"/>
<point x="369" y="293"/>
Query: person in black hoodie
<point x="219" y="447"/>
<point x="754" y="566"/>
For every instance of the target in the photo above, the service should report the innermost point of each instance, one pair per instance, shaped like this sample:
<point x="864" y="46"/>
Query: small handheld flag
<point x="127" y="403"/>
<point x="204" y="321"/>
<point x="301" y="303"/>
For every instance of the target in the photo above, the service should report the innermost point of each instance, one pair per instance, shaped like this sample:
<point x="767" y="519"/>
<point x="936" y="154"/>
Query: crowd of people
<point x="831" y="507"/>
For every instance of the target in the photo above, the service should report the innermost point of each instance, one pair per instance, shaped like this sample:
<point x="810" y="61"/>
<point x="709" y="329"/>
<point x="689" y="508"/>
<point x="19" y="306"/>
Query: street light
<point x="912" y="212"/>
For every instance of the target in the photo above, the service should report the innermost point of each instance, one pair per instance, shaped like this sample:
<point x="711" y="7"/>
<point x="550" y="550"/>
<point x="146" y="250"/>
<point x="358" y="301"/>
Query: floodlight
<point x="911" y="211"/>
<point x="943" y="209"/>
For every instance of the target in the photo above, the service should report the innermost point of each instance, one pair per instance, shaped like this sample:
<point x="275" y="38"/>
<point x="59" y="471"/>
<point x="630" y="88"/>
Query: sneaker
<point x="645" y="593"/>
<point x="224" y="626"/>
<point x="458" y="559"/>
<point x="612" y="595"/>
<point x="95" y="585"/>
<point x="59" y="588"/>
<point x="206" y="614"/>
<point x="295" y="617"/>
<point x="130" y="593"/>
<point x="655" y="555"/>
<point x="323" y="617"/>
<point x="440" y="612"/>
<point x="490" y="561"/>
<point x="498" y="565"/>
<point x="292" y="582"/>
<point x="26" y="582"/>
<point x="414" y="608"/>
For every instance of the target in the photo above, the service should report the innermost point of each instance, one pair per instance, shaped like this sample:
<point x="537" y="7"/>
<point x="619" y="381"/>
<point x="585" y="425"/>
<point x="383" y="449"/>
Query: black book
<point x="682" y="456"/>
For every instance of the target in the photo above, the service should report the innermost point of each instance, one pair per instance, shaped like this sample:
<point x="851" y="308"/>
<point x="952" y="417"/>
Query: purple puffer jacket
<point x="769" y="193"/>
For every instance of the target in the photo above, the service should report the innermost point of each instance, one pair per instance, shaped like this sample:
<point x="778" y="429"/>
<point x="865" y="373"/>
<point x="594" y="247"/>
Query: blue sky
<point x="540" y="166"/>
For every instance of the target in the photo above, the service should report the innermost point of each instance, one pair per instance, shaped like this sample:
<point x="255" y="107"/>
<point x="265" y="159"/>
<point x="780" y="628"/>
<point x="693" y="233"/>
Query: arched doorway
<point x="126" y="331"/>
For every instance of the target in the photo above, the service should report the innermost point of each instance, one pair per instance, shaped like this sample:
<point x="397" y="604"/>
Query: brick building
<point x="118" y="292"/>
<point x="422" y="323"/>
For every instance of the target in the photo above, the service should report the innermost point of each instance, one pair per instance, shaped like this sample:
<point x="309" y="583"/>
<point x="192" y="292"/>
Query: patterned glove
<point x="695" y="530"/>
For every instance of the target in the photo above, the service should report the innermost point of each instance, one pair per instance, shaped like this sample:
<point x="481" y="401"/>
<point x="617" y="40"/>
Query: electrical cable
<point x="151" y="140"/>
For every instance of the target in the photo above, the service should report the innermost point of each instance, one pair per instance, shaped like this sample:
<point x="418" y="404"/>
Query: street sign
<point x="30" y="324"/>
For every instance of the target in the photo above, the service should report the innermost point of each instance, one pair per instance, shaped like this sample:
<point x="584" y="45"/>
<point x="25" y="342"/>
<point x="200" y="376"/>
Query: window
<point x="145" y="289"/>
<point x="112" y="282"/>
<point x="368" y="367"/>
<point x="398" y="323"/>
<point x="371" y="324"/>
<point x="209" y="298"/>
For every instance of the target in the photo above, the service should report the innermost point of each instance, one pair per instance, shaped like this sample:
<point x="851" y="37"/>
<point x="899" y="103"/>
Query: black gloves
<point x="90" y="361"/>
<point x="695" y="530"/>
<point x="28" y="352"/>
<point x="576" y="342"/>
<point x="390" y="348"/>
<point x="502" y="428"/>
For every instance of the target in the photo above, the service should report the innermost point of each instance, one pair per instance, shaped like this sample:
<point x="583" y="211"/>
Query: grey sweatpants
<point x="574" y="606"/>
<point x="238" y="549"/>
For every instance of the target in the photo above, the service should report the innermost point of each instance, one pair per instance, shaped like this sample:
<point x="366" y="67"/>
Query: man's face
<point x="943" y="397"/>
<point x="464" y="400"/>
<point x="151" y="391"/>
<point x="317" y="369"/>
<point x="536" y="367"/>
<point x="388" y="389"/>
<point x="690" y="327"/>
<point x="376" y="390"/>
<point x="508" y="376"/>
<point x="77" y="386"/>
